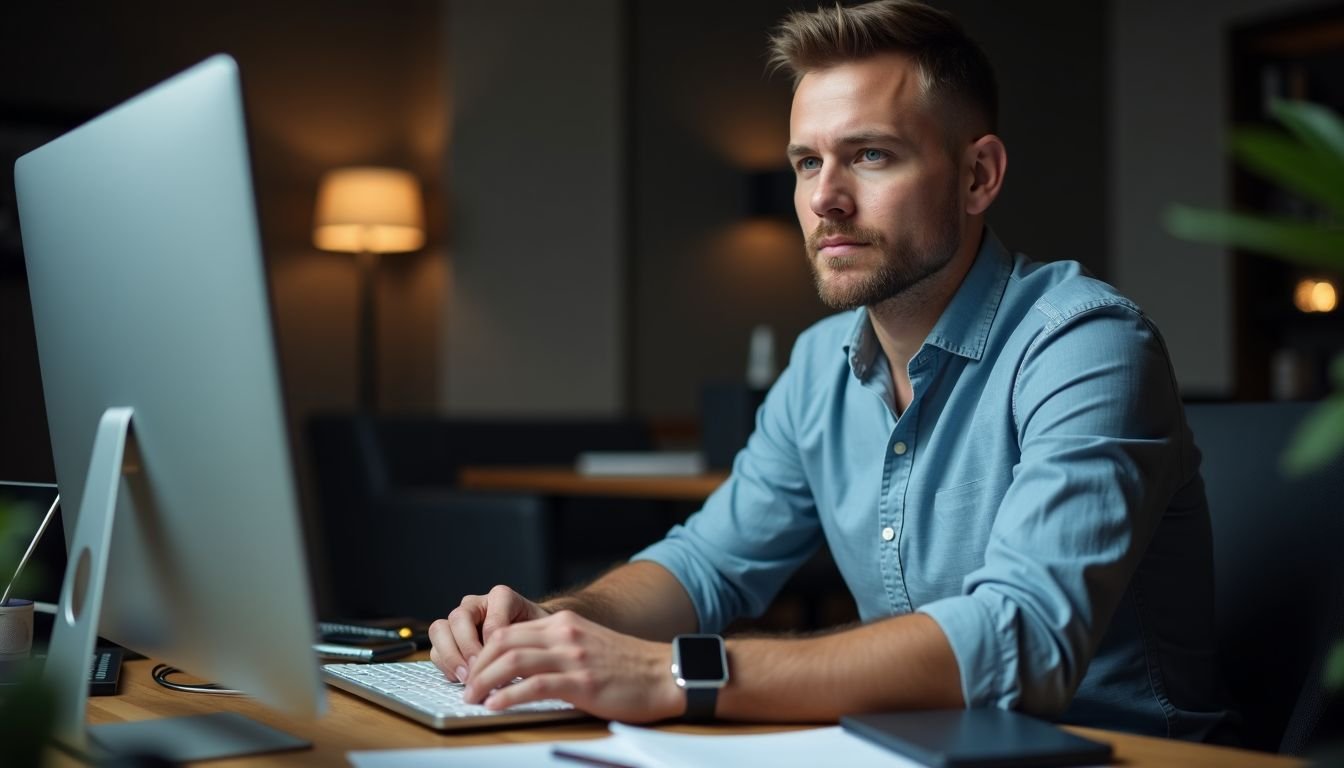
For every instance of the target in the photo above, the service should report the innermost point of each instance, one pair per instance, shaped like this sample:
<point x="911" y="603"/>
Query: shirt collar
<point x="862" y="346"/>
<point x="963" y="328"/>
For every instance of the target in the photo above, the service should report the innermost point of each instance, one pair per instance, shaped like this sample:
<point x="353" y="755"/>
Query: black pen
<point x="579" y="757"/>
<point x="331" y="629"/>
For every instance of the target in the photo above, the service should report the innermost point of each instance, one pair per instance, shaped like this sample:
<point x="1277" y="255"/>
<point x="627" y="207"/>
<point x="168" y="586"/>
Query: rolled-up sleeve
<point x="734" y="555"/>
<point x="1097" y="415"/>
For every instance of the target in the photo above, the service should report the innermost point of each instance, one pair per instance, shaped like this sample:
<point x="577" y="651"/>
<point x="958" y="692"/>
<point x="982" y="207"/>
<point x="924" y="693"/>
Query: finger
<point x="515" y="663"/>
<point x="535" y="688"/>
<point x="463" y="639"/>
<point x="504" y="607"/>
<point x="531" y="634"/>
<point x="443" y="649"/>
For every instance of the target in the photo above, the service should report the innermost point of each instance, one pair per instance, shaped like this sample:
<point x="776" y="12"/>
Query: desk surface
<point x="564" y="481"/>
<point x="351" y="723"/>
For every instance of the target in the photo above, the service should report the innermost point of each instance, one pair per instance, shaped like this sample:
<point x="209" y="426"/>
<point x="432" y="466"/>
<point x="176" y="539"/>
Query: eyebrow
<point x="863" y="137"/>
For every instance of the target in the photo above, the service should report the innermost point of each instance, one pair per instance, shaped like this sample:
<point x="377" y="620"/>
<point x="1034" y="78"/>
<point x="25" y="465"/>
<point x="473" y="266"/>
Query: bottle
<point x="761" y="368"/>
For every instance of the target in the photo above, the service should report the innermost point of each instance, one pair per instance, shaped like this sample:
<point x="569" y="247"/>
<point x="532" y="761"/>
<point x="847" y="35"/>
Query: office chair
<point x="1278" y="548"/>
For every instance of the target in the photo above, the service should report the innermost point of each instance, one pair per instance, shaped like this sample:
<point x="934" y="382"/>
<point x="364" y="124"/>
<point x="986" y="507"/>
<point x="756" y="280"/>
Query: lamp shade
<point x="369" y="209"/>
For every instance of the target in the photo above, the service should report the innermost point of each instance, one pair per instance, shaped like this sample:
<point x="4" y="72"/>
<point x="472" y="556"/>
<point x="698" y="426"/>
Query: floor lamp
<point x="368" y="211"/>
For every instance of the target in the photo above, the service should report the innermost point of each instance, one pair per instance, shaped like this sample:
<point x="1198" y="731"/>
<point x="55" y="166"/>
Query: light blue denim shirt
<point x="1040" y="499"/>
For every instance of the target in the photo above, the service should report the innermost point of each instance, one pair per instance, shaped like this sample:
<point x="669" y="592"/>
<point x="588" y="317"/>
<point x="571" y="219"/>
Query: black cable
<point x="162" y="671"/>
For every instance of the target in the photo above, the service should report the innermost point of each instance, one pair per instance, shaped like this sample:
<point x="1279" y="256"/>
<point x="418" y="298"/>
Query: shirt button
<point x="898" y="449"/>
<point x="888" y="533"/>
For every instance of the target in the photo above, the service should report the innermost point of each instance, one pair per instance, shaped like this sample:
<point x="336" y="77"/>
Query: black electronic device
<point x="976" y="738"/>
<point x="105" y="672"/>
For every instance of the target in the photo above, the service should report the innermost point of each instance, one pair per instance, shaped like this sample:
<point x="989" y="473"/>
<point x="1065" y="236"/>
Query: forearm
<point x="900" y="663"/>
<point x="641" y="598"/>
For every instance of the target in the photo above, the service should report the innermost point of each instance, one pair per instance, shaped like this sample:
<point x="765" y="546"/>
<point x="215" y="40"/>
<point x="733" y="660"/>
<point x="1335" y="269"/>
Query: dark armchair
<point x="1278" y="548"/>
<point x="399" y="538"/>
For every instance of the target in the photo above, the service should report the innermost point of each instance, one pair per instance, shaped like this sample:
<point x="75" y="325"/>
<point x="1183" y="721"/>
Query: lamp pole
<point x="368" y="211"/>
<point x="368" y="333"/>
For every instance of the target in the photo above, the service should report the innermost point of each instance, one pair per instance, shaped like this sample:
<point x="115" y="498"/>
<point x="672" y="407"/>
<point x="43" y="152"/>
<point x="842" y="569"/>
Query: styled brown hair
<point x="955" y="74"/>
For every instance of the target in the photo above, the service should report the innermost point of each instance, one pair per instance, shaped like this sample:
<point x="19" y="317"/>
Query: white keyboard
<point x="418" y="690"/>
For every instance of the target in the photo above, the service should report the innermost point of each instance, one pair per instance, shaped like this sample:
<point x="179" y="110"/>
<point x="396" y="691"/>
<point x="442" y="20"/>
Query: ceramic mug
<point x="16" y="629"/>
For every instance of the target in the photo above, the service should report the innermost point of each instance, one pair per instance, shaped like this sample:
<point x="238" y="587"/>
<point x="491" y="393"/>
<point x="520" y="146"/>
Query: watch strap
<point x="700" y="704"/>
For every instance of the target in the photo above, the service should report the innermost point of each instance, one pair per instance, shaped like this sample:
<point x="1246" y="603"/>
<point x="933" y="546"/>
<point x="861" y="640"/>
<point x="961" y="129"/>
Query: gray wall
<point x="1051" y="61"/>
<point x="1168" y="84"/>
<point x="536" y="177"/>
<point x="705" y="114"/>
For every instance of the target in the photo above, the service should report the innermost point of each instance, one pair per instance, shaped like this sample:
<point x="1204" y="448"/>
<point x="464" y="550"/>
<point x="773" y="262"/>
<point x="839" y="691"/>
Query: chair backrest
<point x="398" y="537"/>
<point x="1278" y="547"/>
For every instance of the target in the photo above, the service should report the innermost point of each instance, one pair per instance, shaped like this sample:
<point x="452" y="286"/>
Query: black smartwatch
<point x="700" y="667"/>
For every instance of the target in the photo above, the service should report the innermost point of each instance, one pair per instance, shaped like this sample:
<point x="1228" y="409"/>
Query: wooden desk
<point x="351" y="723"/>
<point x="563" y="481"/>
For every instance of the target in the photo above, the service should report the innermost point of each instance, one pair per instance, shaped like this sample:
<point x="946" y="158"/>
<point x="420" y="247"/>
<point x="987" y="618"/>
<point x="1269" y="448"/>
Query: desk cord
<point x="162" y="671"/>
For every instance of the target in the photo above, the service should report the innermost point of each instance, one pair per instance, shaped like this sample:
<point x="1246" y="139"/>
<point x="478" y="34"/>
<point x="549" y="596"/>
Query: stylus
<point x="579" y="757"/>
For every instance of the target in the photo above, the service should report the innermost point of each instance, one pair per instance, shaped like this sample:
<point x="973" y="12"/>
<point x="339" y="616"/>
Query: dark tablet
<point x="976" y="738"/>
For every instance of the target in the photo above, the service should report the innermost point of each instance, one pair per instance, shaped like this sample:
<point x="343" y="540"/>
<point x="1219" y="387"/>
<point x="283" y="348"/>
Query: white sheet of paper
<point x="648" y="748"/>
<point x="804" y="749"/>
<point x="494" y="756"/>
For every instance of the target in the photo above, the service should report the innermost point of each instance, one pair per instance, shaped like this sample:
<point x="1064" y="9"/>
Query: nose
<point x="831" y="197"/>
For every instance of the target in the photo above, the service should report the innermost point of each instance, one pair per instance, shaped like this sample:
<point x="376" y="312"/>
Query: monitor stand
<point x="180" y="739"/>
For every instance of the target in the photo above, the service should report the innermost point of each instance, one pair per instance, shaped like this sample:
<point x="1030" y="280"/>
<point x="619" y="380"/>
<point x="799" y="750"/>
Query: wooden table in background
<point x="563" y="481"/>
<point x="354" y="724"/>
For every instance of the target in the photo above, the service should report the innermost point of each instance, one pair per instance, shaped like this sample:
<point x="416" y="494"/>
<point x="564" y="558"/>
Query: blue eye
<point x="809" y="163"/>
<point x="873" y="155"/>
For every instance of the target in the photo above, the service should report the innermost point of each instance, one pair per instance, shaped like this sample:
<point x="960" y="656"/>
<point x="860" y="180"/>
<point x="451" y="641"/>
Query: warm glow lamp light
<point x="368" y="211"/>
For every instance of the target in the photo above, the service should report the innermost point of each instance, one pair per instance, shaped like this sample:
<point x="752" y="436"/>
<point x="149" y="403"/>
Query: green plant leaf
<point x="1334" y="667"/>
<point x="1319" y="440"/>
<point x="1317" y="127"/>
<point x="1295" y="166"/>
<point x="18" y="523"/>
<point x="27" y="718"/>
<point x="1308" y="244"/>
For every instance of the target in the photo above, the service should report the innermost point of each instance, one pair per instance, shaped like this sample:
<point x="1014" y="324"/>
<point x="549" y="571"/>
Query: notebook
<point x="977" y="738"/>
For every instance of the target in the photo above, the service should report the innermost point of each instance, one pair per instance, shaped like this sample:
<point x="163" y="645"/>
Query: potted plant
<point x="27" y="707"/>
<point x="1308" y="160"/>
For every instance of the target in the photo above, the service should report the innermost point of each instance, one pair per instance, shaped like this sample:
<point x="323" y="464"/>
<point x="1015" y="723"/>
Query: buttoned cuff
<point x="983" y="639"/>
<point x="695" y="578"/>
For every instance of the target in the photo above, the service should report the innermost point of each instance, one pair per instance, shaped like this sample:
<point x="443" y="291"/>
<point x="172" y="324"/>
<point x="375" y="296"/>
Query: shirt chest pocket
<point x="964" y="501"/>
<point x="948" y="543"/>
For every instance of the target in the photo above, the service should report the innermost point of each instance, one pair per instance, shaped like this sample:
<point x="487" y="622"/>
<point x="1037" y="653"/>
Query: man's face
<point x="878" y="195"/>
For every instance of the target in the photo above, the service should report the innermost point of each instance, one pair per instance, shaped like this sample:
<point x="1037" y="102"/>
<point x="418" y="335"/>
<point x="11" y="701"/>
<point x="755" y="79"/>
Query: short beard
<point x="903" y="266"/>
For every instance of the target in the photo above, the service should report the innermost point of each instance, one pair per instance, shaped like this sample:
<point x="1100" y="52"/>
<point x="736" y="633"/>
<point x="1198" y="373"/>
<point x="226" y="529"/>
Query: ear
<point x="987" y="158"/>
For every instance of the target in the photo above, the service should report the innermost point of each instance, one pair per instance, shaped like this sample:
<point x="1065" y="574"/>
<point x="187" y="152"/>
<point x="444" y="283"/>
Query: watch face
<point x="700" y="658"/>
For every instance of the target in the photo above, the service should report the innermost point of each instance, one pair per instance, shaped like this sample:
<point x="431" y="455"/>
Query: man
<point x="994" y="450"/>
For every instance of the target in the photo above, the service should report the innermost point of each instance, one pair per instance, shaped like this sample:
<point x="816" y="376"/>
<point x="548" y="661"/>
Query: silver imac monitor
<point x="163" y="396"/>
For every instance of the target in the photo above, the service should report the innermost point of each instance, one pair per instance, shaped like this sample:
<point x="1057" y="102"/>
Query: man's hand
<point x="457" y="640"/>
<point x="565" y="656"/>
